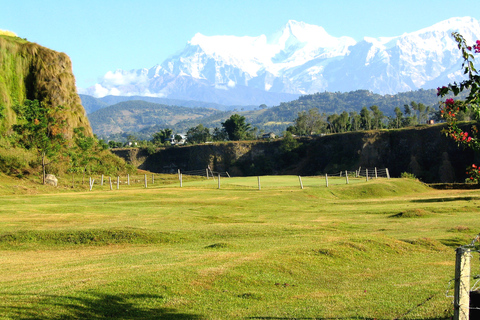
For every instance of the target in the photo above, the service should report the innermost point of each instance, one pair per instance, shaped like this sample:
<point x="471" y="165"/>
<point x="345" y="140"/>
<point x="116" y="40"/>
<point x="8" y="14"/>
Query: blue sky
<point x="105" y="35"/>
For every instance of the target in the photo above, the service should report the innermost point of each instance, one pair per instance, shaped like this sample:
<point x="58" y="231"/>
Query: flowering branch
<point x="450" y="108"/>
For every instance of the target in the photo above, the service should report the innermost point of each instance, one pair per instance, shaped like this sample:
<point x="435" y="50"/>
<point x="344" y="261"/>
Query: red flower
<point x="449" y="101"/>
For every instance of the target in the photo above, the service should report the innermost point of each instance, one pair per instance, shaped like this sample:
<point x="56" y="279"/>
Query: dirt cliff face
<point x="30" y="71"/>
<point x="425" y="152"/>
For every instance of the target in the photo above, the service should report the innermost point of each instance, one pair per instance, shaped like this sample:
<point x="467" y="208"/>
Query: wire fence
<point x="208" y="178"/>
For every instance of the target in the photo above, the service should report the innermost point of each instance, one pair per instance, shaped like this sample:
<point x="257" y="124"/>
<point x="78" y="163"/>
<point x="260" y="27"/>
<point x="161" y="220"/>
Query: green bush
<point x="408" y="175"/>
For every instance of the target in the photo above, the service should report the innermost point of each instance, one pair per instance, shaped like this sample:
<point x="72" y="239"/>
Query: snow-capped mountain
<point x="300" y="59"/>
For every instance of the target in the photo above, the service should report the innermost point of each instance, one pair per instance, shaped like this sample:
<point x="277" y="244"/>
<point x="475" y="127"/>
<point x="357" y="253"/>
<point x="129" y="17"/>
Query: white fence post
<point x="219" y="181"/>
<point x="181" y="180"/>
<point x="388" y="173"/>
<point x="346" y="175"/>
<point x="145" y="178"/>
<point x="461" y="302"/>
<point x="118" y="182"/>
<point x="326" y="179"/>
<point x="259" y="186"/>
<point x="376" y="177"/>
<point x="301" y="184"/>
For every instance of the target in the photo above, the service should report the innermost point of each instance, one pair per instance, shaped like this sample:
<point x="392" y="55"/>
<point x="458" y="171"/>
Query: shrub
<point x="408" y="175"/>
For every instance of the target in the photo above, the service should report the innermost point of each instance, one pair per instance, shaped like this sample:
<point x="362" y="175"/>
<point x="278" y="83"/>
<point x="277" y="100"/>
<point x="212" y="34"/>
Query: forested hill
<point x="133" y="116"/>
<point x="337" y="102"/>
<point x="145" y="120"/>
<point x="276" y="119"/>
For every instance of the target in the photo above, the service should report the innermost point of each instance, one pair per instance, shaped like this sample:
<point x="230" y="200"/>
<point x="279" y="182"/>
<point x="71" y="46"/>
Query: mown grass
<point x="381" y="249"/>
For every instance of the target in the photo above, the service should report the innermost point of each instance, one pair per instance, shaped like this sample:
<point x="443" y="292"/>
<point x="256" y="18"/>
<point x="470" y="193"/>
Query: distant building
<point x="269" y="135"/>
<point x="431" y="122"/>
<point x="182" y="141"/>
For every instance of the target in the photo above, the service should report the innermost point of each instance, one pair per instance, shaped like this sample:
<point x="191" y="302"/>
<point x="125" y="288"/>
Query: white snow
<point x="300" y="54"/>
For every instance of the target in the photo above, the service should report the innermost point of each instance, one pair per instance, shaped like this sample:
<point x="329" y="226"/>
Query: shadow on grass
<point x="281" y="318"/>
<point x="446" y="199"/>
<point x="95" y="306"/>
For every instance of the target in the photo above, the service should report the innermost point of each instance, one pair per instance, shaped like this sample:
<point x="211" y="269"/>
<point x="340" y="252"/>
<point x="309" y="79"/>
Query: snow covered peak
<point x="302" y="58"/>
<point x="305" y="32"/>
<point x="452" y="24"/>
<point x="301" y="32"/>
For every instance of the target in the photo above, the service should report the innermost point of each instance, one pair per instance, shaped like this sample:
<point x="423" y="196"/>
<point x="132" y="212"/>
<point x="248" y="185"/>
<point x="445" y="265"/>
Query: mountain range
<point x="300" y="59"/>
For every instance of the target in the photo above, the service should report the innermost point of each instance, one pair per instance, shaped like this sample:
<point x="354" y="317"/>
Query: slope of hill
<point x="135" y="115"/>
<point x="92" y="104"/>
<point x="276" y="119"/>
<point x="30" y="71"/>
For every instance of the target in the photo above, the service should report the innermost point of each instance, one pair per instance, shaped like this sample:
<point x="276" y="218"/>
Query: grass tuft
<point x="456" y="241"/>
<point x="463" y="229"/>
<point x="428" y="243"/>
<point x="250" y="296"/>
<point x="219" y="245"/>
<point x="84" y="237"/>
<point x="412" y="213"/>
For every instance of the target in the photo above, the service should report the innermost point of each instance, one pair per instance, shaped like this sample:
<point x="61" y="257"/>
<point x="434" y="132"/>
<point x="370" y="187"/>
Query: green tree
<point x="40" y="127"/>
<point x="356" y="121"/>
<point x="365" y="119"/>
<point x="377" y="117"/>
<point x="162" y="136"/>
<point x="114" y="144"/>
<point x="198" y="134"/>
<point x="410" y="119"/>
<point x="308" y="123"/>
<point x="82" y="153"/>
<point x="236" y="127"/>
<point x="333" y="124"/>
<point x="344" y="121"/>
<point x="398" y="117"/>
<point x="422" y="113"/>
<point x="219" y="134"/>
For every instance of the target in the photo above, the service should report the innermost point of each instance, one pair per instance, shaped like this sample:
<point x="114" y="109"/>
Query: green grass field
<point x="382" y="249"/>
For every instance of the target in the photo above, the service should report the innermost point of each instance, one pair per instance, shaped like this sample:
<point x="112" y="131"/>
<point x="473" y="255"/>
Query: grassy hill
<point x="43" y="125"/>
<point x="30" y="71"/>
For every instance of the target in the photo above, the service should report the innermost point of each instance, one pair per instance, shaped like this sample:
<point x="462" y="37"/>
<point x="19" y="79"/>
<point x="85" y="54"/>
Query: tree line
<point x="308" y="122"/>
<point x="314" y="122"/>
